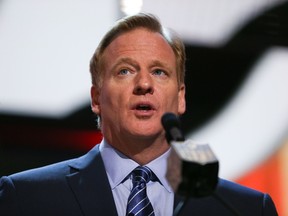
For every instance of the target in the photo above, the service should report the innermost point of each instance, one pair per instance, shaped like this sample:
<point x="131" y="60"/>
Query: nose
<point x="143" y="83"/>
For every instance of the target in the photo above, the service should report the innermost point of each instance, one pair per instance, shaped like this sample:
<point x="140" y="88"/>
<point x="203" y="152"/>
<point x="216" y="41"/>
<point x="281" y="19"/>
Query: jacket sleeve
<point x="269" y="206"/>
<point x="8" y="201"/>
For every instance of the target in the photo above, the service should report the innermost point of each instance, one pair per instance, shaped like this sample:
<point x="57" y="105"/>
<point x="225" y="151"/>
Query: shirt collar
<point x="118" y="166"/>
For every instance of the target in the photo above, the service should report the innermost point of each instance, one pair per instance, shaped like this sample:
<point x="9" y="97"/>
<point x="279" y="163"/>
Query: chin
<point x="146" y="133"/>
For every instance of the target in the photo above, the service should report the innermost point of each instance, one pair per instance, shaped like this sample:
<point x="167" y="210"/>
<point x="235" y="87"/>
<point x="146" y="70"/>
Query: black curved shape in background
<point x="214" y="74"/>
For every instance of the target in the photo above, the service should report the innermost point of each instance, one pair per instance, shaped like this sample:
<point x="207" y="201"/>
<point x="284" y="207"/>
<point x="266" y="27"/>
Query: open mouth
<point x="144" y="107"/>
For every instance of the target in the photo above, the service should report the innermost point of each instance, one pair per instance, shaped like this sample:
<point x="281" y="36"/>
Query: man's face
<point x="139" y="86"/>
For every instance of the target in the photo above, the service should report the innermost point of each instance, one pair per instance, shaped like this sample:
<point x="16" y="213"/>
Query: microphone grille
<point x="171" y="124"/>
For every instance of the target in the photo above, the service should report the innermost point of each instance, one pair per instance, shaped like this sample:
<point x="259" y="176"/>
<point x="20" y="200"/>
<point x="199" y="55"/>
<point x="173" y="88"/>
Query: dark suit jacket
<point x="80" y="187"/>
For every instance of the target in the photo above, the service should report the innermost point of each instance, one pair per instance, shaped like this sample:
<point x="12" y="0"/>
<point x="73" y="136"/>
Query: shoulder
<point x="28" y="185"/>
<point x="231" y="188"/>
<point x="245" y="198"/>
<point x="231" y="198"/>
<point x="45" y="186"/>
<point x="46" y="172"/>
<point x="55" y="171"/>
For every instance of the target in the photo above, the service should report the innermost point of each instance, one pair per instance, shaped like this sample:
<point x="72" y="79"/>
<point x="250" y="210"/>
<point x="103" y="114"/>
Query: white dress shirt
<point x="118" y="167"/>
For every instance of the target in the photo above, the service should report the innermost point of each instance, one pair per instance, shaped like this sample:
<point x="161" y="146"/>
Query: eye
<point x="159" y="72"/>
<point x="124" y="72"/>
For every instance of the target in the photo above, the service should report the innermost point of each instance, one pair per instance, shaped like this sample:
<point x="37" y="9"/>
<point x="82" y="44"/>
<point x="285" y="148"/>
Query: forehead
<point x="140" y="41"/>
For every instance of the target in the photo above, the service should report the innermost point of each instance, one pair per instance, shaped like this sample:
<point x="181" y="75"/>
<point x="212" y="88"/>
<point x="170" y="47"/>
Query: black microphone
<point x="171" y="124"/>
<point x="199" y="164"/>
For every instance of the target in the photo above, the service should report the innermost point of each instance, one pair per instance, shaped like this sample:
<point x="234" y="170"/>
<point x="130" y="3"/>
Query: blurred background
<point x="236" y="78"/>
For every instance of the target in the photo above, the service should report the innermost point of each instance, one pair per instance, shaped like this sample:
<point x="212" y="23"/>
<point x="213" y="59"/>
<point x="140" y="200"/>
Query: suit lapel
<point x="89" y="183"/>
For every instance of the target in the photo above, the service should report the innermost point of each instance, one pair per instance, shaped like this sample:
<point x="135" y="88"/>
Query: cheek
<point x="171" y="95"/>
<point x="108" y="101"/>
<point x="113" y="98"/>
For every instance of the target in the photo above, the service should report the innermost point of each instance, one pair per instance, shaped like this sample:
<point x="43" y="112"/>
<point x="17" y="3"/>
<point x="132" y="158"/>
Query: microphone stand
<point x="180" y="206"/>
<point x="199" y="180"/>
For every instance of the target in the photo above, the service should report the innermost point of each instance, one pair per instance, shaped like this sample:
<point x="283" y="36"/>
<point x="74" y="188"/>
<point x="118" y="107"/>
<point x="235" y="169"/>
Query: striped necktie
<point x="138" y="202"/>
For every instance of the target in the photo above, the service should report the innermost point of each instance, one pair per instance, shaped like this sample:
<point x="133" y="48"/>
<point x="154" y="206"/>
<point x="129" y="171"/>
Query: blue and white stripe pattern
<point x="138" y="202"/>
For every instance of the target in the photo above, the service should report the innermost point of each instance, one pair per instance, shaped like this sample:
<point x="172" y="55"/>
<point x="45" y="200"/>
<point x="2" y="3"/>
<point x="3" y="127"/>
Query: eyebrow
<point x="159" y="64"/>
<point x="126" y="61"/>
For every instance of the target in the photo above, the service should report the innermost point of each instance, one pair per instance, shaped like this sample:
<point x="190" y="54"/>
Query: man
<point x="137" y="76"/>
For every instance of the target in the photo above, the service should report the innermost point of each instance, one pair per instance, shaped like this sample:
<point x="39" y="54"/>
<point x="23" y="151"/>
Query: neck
<point x="141" y="150"/>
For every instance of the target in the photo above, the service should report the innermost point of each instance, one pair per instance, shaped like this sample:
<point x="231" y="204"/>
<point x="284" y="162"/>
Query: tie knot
<point x="143" y="174"/>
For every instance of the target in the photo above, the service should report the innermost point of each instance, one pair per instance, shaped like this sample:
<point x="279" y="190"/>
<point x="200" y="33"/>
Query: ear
<point x="181" y="99"/>
<point x="95" y="105"/>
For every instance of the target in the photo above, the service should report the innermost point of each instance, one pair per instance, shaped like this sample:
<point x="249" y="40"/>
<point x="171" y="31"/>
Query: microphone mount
<point x="199" y="164"/>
